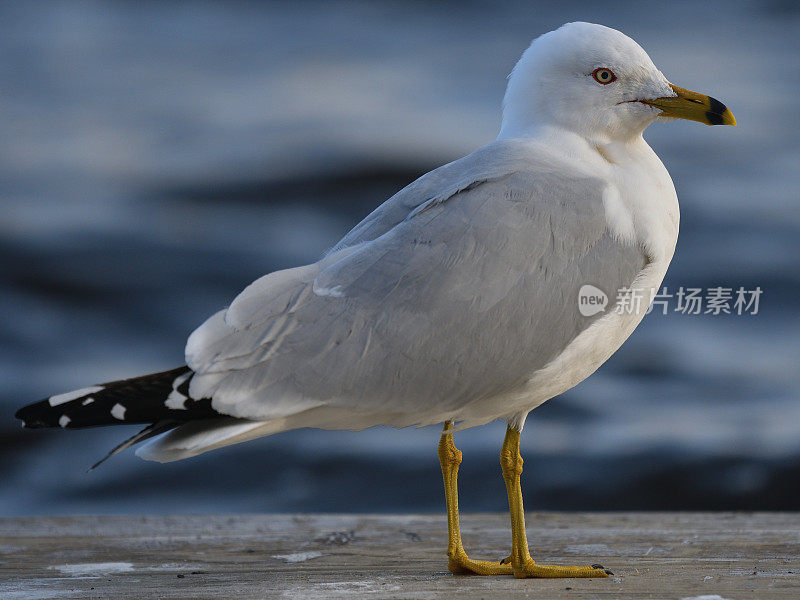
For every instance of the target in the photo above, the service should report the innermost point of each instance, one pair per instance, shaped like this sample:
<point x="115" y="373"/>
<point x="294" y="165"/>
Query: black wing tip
<point x="32" y="415"/>
<point x="140" y="400"/>
<point x="43" y="415"/>
<point x="20" y="414"/>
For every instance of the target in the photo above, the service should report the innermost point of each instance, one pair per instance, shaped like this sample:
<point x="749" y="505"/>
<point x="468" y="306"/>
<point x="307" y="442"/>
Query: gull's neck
<point x="571" y="145"/>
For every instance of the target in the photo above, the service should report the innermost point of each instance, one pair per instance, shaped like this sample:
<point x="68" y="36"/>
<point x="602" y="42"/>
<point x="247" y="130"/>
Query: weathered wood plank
<point x="736" y="556"/>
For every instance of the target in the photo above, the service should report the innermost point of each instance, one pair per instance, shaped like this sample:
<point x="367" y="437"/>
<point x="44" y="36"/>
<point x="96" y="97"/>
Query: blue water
<point x="157" y="157"/>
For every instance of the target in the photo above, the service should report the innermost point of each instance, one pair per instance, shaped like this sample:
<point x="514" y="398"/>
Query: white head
<point x="591" y="80"/>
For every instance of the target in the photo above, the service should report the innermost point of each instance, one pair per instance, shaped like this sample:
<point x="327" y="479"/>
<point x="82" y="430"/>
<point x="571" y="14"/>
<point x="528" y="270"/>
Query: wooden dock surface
<point x="653" y="555"/>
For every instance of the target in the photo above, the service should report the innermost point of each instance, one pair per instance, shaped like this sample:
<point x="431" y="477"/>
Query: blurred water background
<point x="156" y="157"/>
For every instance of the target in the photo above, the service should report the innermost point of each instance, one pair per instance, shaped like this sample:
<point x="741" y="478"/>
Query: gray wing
<point x="433" y="302"/>
<point x="485" y="164"/>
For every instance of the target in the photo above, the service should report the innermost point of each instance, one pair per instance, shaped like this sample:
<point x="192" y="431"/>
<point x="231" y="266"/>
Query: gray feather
<point x="456" y="289"/>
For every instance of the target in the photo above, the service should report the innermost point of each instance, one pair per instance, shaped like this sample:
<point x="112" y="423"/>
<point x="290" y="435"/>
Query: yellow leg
<point x="458" y="561"/>
<point x="522" y="563"/>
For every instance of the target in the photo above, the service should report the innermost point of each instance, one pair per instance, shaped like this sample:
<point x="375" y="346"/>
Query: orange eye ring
<point x="603" y="76"/>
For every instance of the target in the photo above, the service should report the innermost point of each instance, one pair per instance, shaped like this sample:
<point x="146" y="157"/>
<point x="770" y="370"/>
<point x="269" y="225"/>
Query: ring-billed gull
<point x="456" y="300"/>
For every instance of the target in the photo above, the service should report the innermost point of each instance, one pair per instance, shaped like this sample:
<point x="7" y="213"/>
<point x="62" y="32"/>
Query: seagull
<point x="456" y="301"/>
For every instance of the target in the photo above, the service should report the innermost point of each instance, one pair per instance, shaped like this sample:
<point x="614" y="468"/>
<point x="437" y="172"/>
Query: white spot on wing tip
<point x="180" y="379"/>
<point x="64" y="420"/>
<point x="176" y="400"/>
<point x="73" y="395"/>
<point x="118" y="412"/>
<point x="88" y="401"/>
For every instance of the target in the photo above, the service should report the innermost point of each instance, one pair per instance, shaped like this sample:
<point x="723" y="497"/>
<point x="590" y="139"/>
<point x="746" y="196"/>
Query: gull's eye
<point x="603" y="75"/>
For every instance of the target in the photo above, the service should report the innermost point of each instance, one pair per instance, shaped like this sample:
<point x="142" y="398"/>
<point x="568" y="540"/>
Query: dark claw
<point x="597" y="566"/>
<point x="503" y="560"/>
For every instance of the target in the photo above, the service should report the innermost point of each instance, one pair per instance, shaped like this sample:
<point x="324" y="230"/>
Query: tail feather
<point x="149" y="399"/>
<point x="144" y="434"/>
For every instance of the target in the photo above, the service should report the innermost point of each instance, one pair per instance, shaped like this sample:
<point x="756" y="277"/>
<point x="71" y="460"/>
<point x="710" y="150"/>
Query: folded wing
<point x="457" y="288"/>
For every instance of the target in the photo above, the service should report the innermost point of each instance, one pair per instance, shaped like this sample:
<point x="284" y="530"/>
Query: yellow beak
<point x="694" y="107"/>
